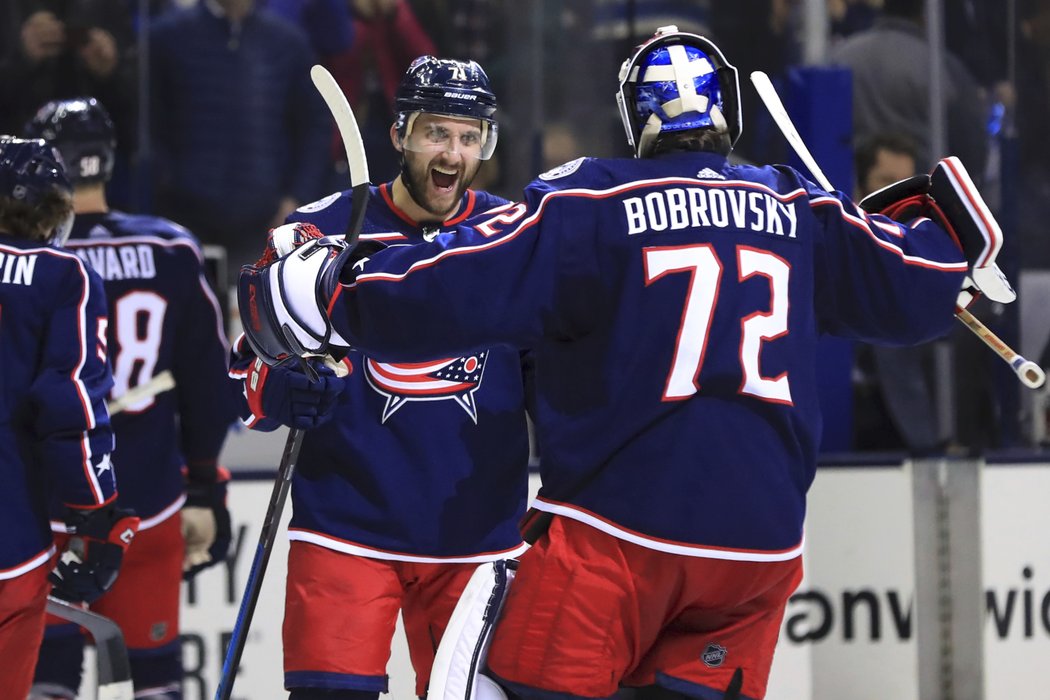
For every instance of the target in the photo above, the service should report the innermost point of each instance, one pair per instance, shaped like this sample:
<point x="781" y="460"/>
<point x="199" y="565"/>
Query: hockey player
<point x="162" y="317"/>
<point x="421" y="471"/>
<point x="673" y="302"/>
<point x="55" y="435"/>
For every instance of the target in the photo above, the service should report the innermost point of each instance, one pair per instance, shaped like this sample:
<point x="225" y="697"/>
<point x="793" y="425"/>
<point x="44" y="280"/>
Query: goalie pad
<point x="949" y="197"/>
<point x="283" y="304"/>
<point x="460" y="658"/>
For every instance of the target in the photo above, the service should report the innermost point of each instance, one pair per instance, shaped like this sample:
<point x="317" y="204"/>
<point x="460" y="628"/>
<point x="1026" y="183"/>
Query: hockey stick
<point x="1030" y="374"/>
<point x="355" y="156"/>
<point x="111" y="653"/>
<point x="157" y="384"/>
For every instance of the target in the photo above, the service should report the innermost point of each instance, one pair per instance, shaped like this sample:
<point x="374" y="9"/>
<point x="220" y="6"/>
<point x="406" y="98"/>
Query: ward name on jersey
<point x="707" y="445"/>
<point x="163" y="315"/>
<point x="422" y="461"/>
<point x="120" y="262"/>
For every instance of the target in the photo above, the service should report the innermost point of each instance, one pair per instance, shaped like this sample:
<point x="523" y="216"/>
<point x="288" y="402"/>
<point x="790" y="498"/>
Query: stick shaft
<point x="253" y="586"/>
<point x="1030" y="374"/>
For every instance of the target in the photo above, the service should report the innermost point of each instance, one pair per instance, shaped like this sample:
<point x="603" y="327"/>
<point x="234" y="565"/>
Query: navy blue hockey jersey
<point x="55" y="437"/>
<point x="163" y="315"/>
<point x="674" y="306"/>
<point x="422" y="461"/>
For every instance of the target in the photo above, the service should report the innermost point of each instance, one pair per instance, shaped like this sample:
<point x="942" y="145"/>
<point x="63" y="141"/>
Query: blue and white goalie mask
<point x="675" y="82"/>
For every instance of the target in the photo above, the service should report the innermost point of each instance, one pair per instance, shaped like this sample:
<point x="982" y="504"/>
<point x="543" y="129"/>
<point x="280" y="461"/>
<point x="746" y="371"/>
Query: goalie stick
<point x="355" y="158"/>
<point x="1030" y="374"/>
<point x="111" y="653"/>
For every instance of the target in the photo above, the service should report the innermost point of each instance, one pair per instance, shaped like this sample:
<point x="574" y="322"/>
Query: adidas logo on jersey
<point x="709" y="174"/>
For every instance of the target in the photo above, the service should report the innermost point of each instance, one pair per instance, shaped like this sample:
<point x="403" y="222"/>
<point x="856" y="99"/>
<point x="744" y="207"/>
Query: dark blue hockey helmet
<point x="83" y="133"/>
<point x="677" y="81"/>
<point x="447" y="87"/>
<point x="31" y="172"/>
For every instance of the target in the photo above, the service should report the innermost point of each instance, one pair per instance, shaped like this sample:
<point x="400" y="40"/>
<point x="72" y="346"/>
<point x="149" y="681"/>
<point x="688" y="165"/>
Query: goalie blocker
<point x="948" y="196"/>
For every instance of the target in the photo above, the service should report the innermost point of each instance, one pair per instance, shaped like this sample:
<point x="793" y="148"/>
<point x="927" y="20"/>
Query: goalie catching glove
<point x="949" y="198"/>
<point x="206" y="527"/>
<point x="91" y="560"/>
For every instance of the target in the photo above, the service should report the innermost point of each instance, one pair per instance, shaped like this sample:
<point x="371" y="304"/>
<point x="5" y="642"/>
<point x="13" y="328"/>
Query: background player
<point x="55" y="437"/>
<point x="162" y="316"/>
<point x="674" y="302"/>
<point x="422" y="471"/>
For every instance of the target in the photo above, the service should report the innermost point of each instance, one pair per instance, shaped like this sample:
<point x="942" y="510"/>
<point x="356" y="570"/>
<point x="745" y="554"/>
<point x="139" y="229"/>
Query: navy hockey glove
<point x="286" y="395"/>
<point x="90" y="563"/>
<point x="948" y="197"/>
<point x="206" y="527"/>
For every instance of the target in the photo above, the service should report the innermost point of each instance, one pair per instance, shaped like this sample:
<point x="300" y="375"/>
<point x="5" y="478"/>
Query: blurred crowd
<point x="219" y="127"/>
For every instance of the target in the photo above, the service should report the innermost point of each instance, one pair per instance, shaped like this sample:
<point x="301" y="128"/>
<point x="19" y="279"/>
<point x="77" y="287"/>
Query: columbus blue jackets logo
<point x="452" y="379"/>
<point x="714" y="655"/>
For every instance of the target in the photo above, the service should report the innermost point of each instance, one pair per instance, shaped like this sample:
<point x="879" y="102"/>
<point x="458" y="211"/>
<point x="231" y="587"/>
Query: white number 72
<point x="705" y="275"/>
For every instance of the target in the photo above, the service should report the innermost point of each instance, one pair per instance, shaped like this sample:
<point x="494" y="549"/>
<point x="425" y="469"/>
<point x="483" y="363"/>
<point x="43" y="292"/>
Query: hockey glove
<point x="90" y="563"/>
<point x="949" y="197"/>
<point x="283" y="298"/>
<point x="206" y="527"/>
<point x="286" y="395"/>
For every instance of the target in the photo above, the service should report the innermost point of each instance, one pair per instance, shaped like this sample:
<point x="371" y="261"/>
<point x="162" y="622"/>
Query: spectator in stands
<point x="240" y="133"/>
<point x="326" y="22"/>
<point x="891" y="87"/>
<point x="387" y="36"/>
<point x="895" y="392"/>
<point x="55" y="49"/>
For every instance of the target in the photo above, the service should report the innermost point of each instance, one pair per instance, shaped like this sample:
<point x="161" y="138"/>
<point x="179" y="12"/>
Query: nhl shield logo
<point x="714" y="655"/>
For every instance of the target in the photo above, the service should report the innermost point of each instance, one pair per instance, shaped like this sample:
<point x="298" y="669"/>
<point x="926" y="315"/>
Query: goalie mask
<point x="674" y="82"/>
<point x="82" y="132"/>
<point x="458" y="89"/>
<point x="32" y="175"/>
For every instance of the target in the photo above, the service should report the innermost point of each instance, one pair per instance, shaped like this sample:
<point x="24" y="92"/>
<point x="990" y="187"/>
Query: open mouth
<point x="443" y="179"/>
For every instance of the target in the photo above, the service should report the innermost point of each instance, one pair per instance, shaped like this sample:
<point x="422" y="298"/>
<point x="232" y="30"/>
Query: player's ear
<point x="394" y="138"/>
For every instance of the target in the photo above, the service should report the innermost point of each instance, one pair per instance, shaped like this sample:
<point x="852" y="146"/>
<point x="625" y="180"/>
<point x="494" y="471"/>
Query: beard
<point x="417" y="178"/>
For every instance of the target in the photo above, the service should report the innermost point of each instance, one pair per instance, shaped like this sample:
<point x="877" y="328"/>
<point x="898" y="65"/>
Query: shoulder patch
<point x="563" y="170"/>
<point x="320" y="203"/>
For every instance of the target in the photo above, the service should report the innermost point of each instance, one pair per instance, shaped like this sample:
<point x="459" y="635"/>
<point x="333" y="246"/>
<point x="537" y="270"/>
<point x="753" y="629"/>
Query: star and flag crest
<point x="453" y="379"/>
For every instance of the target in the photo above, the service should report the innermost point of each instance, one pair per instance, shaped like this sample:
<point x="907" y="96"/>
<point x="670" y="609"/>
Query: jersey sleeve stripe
<point x="887" y="245"/>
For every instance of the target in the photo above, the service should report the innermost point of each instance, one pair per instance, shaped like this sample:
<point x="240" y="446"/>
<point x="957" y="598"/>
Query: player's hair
<point x="37" y="220"/>
<point x="867" y="152"/>
<point x="693" y="140"/>
<point x="909" y="9"/>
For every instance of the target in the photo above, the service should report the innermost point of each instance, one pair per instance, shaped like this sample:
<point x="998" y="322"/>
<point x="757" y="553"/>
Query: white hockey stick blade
<point x="111" y="653"/>
<point x="158" y="384"/>
<point x="776" y="108"/>
<point x="344" y="121"/>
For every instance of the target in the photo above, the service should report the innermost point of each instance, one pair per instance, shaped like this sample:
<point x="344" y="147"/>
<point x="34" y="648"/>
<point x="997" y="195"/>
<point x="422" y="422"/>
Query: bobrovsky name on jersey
<point x="692" y="207"/>
<point x="119" y="262"/>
